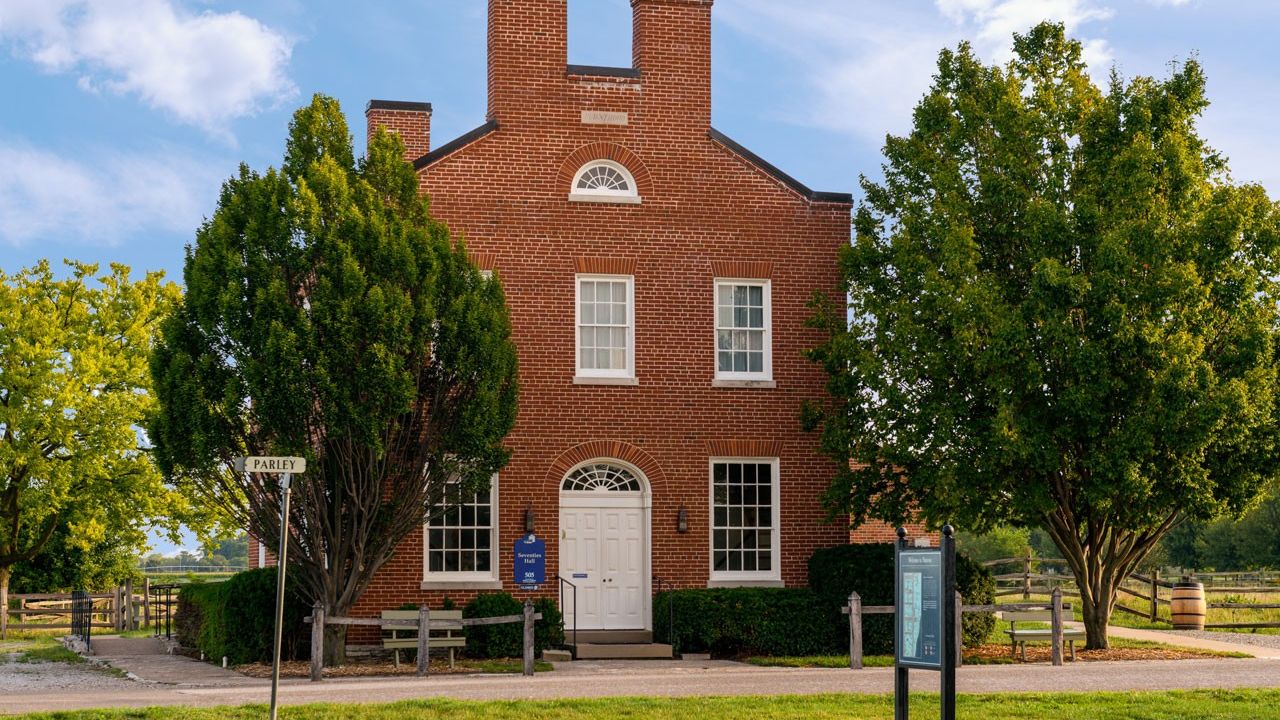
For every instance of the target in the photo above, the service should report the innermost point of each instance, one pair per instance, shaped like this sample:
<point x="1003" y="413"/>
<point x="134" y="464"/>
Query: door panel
<point x="607" y="545"/>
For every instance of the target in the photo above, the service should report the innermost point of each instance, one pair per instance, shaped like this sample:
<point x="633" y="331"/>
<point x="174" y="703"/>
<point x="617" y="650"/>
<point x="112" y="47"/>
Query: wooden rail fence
<point x="855" y="610"/>
<point x="318" y="622"/>
<point x="1145" y="588"/>
<point x="119" y="609"/>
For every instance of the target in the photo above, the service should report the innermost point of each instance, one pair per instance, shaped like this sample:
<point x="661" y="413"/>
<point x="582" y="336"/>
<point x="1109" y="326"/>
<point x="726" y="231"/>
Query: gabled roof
<point x="775" y="173"/>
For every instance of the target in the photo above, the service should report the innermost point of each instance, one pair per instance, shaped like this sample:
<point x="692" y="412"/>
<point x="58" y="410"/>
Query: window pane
<point x="739" y="294"/>
<point x="755" y="341"/>
<point x="757" y="295"/>
<point x="588" y="360"/>
<point x="721" y="560"/>
<point x="724" y="339"/>
<point x="588" y="313"/>
<point x="756" y="318"/>
<point x="602" y="360"/>
<point x="735" y="561"/>
<point x="619" y="314"/>
<point x="749" y="562"/>
<point x="588" y="291"/>
<point x="619" y="292"/>
<point x="741" y="317"/>
<point x="755" y="362"/>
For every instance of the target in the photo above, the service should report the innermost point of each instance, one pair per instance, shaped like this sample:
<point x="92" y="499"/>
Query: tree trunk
<point x="4" y="601"/>
<point x="335" y="644"/>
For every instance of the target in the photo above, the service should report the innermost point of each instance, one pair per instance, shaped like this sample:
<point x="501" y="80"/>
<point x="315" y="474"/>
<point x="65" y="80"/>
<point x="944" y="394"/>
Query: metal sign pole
<point x="901" y="684"/>
<point x="281" y="561"/>
<point x="949" y="649"/>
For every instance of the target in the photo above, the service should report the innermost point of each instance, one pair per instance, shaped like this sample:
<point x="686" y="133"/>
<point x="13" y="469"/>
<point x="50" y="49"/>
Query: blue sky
<point x="120" y="118"/>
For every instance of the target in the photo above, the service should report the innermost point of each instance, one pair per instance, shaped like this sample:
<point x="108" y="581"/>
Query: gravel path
<point x="1269" y="641"/>
<point x="35" y="677"/>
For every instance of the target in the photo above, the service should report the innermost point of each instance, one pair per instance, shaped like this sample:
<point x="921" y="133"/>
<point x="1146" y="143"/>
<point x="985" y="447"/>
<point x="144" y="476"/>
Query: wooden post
<point x="317" y="642"/>
<point x="855" y="631"/>
<point x="528" y="638"/>
<point x="1026" y="576"/>
<point x="959" y="630"/>
<point x="424" y="640"/>
<point x="146" y="603"/>
<point x="118" y="619"/>
<point x="129" y="623"/>
<point x="1056" y="620"/>
<point x="1155" y="590"/>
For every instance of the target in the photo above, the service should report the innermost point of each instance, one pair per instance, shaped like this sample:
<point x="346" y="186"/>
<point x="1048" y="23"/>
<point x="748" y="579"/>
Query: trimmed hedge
<point x="835" y="572"/>
<point x="733" y="622"/>
<point x="507" y="641"/>
<point x="235" y="619"/>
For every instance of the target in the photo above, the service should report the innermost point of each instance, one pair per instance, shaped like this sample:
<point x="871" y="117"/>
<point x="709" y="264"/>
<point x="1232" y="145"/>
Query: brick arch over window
<point x="604" y="151"/>
<point x="613" y="449"/>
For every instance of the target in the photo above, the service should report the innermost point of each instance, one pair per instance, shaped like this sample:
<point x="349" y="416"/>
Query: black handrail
<point x="82" y="616"/>
<point x="564" y="582"/>
<point x="671" y="607"/>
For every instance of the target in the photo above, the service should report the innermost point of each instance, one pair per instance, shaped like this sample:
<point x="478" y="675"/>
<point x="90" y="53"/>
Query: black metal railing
<point x="661" y="586"/>
<point x="563" y="582"/>
<point x="163" y="600"/>
<point x="82" y="616"/>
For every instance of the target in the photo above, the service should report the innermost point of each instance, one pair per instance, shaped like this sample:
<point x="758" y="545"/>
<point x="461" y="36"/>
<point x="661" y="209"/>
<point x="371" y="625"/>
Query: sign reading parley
<point x="530" y="561"/>
<point x="255" y="464"/>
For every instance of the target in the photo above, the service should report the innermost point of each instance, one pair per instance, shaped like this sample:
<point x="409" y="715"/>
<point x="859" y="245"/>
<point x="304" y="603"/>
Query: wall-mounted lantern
<point x="529" y="518"/>
<point x="682" y="520"/>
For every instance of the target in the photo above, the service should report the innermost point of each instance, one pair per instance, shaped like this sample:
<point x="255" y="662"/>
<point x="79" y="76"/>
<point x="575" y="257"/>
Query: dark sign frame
<point x="946" y="608"/>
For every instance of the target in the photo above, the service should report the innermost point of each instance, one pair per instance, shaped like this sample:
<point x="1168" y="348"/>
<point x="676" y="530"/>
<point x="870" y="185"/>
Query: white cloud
<point x="102" y="200"/>
<point x="871" y="61"/>
<point x="205" y="68"/>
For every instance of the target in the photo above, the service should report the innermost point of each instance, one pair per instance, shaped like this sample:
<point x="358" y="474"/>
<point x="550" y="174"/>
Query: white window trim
<point x="766" y="376"/>
<point x="585" y="376"/>
<point x="754" y="578"/>
<point x="623" y="197"/>
<point x="486" y="274"/>
<point x="466" y="580"/>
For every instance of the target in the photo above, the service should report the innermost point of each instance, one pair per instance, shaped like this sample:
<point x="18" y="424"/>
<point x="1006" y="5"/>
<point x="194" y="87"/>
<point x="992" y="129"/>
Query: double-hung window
<point x="462" y="536"/>
<point x="744" y="520"/>
<point x="743" y="333"/>
<point x="605" y="326"/>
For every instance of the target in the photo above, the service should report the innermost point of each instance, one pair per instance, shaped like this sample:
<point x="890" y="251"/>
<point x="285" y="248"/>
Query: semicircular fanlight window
<point x="601" y="477"/>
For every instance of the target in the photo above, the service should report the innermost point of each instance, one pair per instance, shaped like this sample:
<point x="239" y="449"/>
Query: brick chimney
<point x="672" y="50"/>
<point x="410" y="120"/>
<point x="528" y="52"/>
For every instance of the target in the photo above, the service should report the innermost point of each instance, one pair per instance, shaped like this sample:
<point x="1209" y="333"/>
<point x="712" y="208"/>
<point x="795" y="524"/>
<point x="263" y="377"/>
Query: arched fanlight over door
<point x="601" y="477"/>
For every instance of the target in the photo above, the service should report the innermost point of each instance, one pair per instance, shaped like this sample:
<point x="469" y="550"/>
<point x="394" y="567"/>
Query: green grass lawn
<point x="1202" y="705"/>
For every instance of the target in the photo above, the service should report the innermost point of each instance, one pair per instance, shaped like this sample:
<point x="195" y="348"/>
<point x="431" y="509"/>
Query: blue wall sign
<point x="530" y="561"/>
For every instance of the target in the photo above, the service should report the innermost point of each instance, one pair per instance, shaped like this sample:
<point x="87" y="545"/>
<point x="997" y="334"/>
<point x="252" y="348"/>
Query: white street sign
<point x="271" y="465"/>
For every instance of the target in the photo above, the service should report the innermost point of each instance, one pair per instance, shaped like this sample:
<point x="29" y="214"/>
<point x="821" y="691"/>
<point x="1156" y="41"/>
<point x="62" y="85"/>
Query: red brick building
<point x="658" y="276"/>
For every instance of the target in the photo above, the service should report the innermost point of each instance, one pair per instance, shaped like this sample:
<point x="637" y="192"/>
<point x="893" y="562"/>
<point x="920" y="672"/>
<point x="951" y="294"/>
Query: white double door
<point x="604" y="553"/>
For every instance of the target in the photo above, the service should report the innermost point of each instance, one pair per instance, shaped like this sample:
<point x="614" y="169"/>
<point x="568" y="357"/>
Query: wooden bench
<point x="406" y="638"/>
<point x="1022" y="637"/>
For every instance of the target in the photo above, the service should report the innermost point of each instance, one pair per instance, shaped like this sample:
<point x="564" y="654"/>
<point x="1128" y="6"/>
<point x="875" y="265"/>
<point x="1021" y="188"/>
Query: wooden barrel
<point x="1187" y="607"/>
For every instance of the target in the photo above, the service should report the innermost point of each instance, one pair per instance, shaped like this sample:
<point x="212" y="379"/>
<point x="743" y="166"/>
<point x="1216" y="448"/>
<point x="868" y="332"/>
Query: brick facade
<point x="708" y="208"/>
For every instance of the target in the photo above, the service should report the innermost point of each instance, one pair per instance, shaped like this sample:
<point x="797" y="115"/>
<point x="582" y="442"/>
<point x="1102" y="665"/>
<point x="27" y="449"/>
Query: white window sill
<point x="760" y="384"/>
<point x="462" y="585"/>
<point x="714" y="583"/>
<point x="605" y="199"/>
<point x="591" y="380"/>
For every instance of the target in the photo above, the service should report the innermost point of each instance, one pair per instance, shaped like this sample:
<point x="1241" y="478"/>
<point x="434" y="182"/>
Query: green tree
<point x="1062" y="313"/>
<point x="327" y="315"/>
<point x="1000" y="542"/>
<point x="74" y="390"/>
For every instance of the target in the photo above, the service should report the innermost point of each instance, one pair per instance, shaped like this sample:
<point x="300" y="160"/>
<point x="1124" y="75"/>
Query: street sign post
<point x="286" y="467"/>
<point x="924" y="618"/>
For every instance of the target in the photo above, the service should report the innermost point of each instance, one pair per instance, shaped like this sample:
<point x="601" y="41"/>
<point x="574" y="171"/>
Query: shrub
<point x="507" y="641"/>
<point x="236" y="618"/>
<point x="837" y="571"/>
<point x="732" y="622"/>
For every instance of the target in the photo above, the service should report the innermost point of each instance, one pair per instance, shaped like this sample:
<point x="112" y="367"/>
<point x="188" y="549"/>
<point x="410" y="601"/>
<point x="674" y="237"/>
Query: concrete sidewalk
<point x="1187" y="641"/>
<point x="681" y="678"/>
<point x="148" y="660"/>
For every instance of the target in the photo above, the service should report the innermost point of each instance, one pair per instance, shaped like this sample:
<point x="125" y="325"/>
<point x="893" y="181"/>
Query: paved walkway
<point x="659" y="678"/>
<point x="148" y="660"/>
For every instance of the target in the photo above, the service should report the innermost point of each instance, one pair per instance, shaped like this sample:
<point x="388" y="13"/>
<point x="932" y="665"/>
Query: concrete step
<point x="623" y="651"/>
<point x="610" y="637"/>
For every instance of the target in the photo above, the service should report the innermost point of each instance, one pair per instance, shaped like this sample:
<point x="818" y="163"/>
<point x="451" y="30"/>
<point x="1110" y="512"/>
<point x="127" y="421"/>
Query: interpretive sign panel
<point x="919" y="616"/>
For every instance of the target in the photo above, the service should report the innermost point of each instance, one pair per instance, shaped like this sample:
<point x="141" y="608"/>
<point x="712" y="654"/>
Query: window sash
<point x="604" y="326"/>
<point x="462" y="543"/>
<point x="743" y="330"/>
<point x="744" y="527"/>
